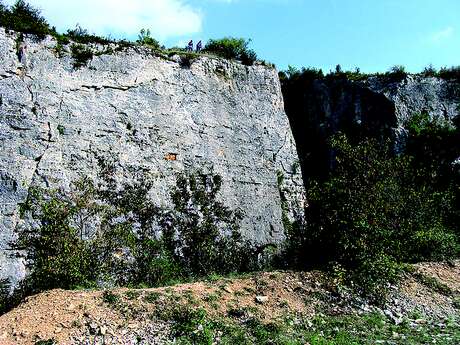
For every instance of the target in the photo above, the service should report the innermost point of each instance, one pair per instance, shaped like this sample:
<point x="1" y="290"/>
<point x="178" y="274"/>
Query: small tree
<point x="57" y="254"/>
<point x="397" y="73"/>
<point x="145" y="38"/>
<point x="451" y="73"/>
<point x="429" y="71"/>
<point x="24" y="18"/>
<point x="203" y="234"/>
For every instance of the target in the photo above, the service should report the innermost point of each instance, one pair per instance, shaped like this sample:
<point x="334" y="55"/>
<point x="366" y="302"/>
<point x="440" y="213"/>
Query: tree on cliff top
<point x="232" y="48"/>
<point x="24" y="18"/>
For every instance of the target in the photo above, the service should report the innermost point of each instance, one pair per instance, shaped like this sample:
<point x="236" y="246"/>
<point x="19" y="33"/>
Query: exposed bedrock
<point x="146" y="115"/>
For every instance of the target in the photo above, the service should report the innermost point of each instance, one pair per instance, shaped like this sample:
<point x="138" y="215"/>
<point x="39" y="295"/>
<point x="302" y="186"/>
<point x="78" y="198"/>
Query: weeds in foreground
<point x="194" y="327"/>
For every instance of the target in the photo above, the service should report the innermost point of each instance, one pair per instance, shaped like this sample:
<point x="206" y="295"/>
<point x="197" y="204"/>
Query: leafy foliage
<point x="422" y="125"/>
<point x="293" y="74"/>
<point x="374" y="212"/>
<point x="24" y="18"/>
<point x="450" y="73"/>
<point x="397" y="73"/>
<point x="122" y="238"/>
<point x="202" y="233"/>
<point x="80" y="35"/>
<point x="145" y="38"/>
<point x="81" y="55"/>
<point x="429" y="71"/>
<point x="57" y="253"/>
<point x="232" y="48"/>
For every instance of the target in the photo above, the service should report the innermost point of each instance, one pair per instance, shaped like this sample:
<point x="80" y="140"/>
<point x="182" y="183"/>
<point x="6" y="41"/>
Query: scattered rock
<point x="261" y="299"/>
<point x="228" y="289"/>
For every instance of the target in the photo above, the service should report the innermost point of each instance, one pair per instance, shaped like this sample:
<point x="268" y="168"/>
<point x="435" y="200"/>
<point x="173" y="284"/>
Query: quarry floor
<point x="430" y="295"/>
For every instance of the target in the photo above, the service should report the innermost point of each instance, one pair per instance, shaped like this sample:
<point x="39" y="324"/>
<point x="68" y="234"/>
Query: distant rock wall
<point x="378" y="107"/>
<point x="145" y="114"/>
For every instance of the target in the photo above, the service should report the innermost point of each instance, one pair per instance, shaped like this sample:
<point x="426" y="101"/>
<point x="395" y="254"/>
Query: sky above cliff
<point x="370" y="34"/>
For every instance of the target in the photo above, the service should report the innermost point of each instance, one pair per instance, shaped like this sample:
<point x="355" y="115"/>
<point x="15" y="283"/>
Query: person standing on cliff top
<point x="199" y="46"/>
<point x="190" y="46"/>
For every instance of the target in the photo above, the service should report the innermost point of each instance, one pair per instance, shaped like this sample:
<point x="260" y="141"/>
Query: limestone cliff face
<point x="145" y="114"/>
<point x="379" y="107"/>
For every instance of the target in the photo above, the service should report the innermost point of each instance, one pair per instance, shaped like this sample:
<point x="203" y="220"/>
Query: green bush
<point x="374" y="212"/>
<point x="191" y="324"/>
<point x="423" y="125"/>
<point x="22" y="17"/>
<point x="294" y="75"/>
<point x="452" y="73"/>
<point x="199" y="237"/>
<point x="81" y="55"/>
<point x="430" y="71"/>
<point x="145" y="38"/>
<point x="80" y="35"/>
<point x="186" y="59"/>
<point x="232" y="48"/>
<point x="202" y="234"/>
<point x="57" y="254"/>
<point x="397" y="73"/>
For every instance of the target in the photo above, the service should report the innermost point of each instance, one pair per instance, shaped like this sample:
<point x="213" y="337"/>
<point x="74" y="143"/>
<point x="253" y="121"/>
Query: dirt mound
<point x="147" y="316"/>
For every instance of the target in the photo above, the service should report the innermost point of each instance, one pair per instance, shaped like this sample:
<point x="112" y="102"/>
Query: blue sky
<point x="370" y="34"/>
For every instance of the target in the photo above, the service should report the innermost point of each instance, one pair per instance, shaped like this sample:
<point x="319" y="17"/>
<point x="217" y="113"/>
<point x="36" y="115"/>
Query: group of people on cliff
<point x="199" y="46"/>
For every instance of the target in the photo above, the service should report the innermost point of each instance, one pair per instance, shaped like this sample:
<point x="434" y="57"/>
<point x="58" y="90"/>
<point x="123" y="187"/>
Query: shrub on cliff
<point x="145" y="38"/>
<point x="81" y="55"/>
<point x="80" y="35"/>
<point x="232" y="48"/>
<point x="24" y="18"/>
<point x="397" y="73"/>
<point x="293" y="75"/>
<point x="450" y="73"/>
<point x="430" y="71"/>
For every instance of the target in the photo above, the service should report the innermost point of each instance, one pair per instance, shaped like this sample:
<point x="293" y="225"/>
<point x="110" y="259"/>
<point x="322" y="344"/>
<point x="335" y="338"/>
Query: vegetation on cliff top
<point x="24" y="18"/>
<point x="394" y="74"/>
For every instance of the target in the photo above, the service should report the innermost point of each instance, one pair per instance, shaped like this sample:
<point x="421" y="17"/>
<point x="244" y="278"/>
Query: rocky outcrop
<point x="439" y="98"/>
<point x="378" y="106"/>
<point x="145" y="114"/>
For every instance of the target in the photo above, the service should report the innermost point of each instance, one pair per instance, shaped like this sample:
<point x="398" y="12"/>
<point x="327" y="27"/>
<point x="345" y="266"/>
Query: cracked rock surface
<point x="145" y="114"/>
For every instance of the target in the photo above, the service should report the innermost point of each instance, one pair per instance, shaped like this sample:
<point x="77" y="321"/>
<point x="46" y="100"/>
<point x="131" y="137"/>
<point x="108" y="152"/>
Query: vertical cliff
<point x="378" y="106"/>
<point x="145" y="114"/>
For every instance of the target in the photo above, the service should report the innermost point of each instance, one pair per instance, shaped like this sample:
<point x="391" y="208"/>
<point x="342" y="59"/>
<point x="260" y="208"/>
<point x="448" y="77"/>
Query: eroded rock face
<point x="377" y="107"/>
<point x="144" y="114"/>
<point x="415" y="94"/>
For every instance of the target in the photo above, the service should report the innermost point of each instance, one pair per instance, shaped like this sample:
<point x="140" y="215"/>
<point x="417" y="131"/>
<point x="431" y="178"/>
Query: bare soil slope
<point x="147" y="316"/>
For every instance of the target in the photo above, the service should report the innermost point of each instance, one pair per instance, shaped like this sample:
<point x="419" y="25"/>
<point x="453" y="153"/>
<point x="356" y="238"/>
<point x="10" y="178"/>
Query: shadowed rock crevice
<point x="376" y="107"/>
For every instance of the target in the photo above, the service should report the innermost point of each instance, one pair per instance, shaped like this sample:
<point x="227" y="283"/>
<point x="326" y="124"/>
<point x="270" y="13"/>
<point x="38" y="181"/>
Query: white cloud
<point x="442" y="34"/>
<point x="165" y="18"/>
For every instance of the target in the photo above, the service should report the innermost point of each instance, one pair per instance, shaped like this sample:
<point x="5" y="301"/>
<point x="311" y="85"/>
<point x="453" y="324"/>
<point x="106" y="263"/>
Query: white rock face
<point x="148" y="115"/>
<point x="439" y="98"/>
